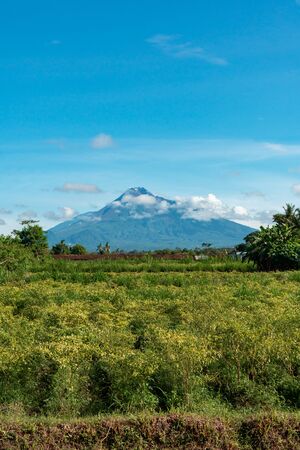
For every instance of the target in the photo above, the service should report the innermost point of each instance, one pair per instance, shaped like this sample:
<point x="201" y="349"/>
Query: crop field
<point x="171" y="340"/>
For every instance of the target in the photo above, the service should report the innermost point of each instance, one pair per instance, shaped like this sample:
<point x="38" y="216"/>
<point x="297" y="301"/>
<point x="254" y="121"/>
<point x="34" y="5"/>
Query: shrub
<point x="14" y="258"/>
<point x="78" y="249"/>
<point x="32" y="236"/>
<point x="274" y="248"/>
<point x="61" y="248"/>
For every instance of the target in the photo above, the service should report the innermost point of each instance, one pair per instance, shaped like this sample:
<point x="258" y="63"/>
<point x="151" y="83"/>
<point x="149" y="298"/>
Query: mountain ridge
<point x="139" y="220"/>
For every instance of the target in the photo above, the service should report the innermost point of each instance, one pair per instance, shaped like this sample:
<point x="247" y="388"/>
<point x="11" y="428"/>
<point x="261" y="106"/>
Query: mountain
<point x="138" y="220"/>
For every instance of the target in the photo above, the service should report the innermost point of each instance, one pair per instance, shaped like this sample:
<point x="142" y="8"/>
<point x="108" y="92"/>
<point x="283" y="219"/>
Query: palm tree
<point x="291" y="216"/>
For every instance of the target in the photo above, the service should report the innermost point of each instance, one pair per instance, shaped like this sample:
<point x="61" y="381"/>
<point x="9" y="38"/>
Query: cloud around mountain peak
<point x="141" y="204"/>
<point x="139" y="220"/>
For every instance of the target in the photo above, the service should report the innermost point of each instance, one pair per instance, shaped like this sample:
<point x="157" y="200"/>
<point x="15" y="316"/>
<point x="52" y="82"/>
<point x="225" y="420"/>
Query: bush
<point x="61" y="248"/>
<point x="78" y="249"/>
<point x="274" y="248"/>
<point x="32" y="236"/>
<point x="14" y="258"/>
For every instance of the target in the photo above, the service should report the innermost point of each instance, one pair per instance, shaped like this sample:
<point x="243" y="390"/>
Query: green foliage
<point x="103" y="250"/>
<point x="32" y="236"/>
<point x="14" y="258"/>
<point x="274" y="248"/>
<point x="78" y="249"/>
<point x="61" y="248"/>
<point x="102" y="337"/>
<point x="100" y="249"/>
<point x="290" y="217"/>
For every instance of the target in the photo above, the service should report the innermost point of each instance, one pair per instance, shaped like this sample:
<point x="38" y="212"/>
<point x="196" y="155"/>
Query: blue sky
<point x="185" y="98"/>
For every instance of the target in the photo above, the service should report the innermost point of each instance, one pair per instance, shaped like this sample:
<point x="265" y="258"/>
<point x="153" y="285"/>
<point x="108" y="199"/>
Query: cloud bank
<point x="201" y="208"/>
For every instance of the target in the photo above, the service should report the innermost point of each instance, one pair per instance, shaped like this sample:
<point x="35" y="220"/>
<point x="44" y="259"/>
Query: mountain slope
<point x="138" y="220"/>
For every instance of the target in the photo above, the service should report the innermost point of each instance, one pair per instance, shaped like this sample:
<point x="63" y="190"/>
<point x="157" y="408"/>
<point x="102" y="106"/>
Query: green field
<point x="144" y="338"/>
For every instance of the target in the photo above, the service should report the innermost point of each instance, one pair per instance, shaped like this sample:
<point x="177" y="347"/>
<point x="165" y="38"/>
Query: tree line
<point x="61" y="248"/>
<point x="275" y="247"/>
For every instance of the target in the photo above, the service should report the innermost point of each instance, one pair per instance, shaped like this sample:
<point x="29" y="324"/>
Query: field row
<point x="191" y="341"/>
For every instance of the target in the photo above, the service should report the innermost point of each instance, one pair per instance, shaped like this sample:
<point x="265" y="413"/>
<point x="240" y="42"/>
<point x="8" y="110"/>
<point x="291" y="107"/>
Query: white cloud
<point x="264" y="217"/>
<point x="67" y="212"/>
<point x="282" y="149"/>
<point x="194" y="207"/>
<point x="102" y="141"/>
<point x="258" y="218"/>
<point x="5" y="211"/>
<point x="275" y="147"/>
<point x="200" y="208"/>
<point x="207" y="208"/>
<point x="80" y="188"/>
<point x="240" y="211"/>
<point x="62" y="213"/>
<point x="143" y="199"/>
<point x="116" y="204"/>
<point x="296" y="187"/>
<point x="27" y="215"/>
<point x="173" y="46"/>
<point x="164" y="206"/>
<point x="2" y="222"/>
<point x="135" y="203"/>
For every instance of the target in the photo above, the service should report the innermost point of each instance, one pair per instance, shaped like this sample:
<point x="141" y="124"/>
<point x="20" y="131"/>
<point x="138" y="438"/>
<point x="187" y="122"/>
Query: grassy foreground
<point x="189" y="341"/>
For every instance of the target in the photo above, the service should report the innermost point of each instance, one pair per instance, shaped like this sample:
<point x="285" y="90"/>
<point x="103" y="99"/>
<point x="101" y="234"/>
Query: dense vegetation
<point x="174" y="343"/>
<point x="80" y="339"/>
<point x="276" y="247"/>
<point x="61" y="248"/>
